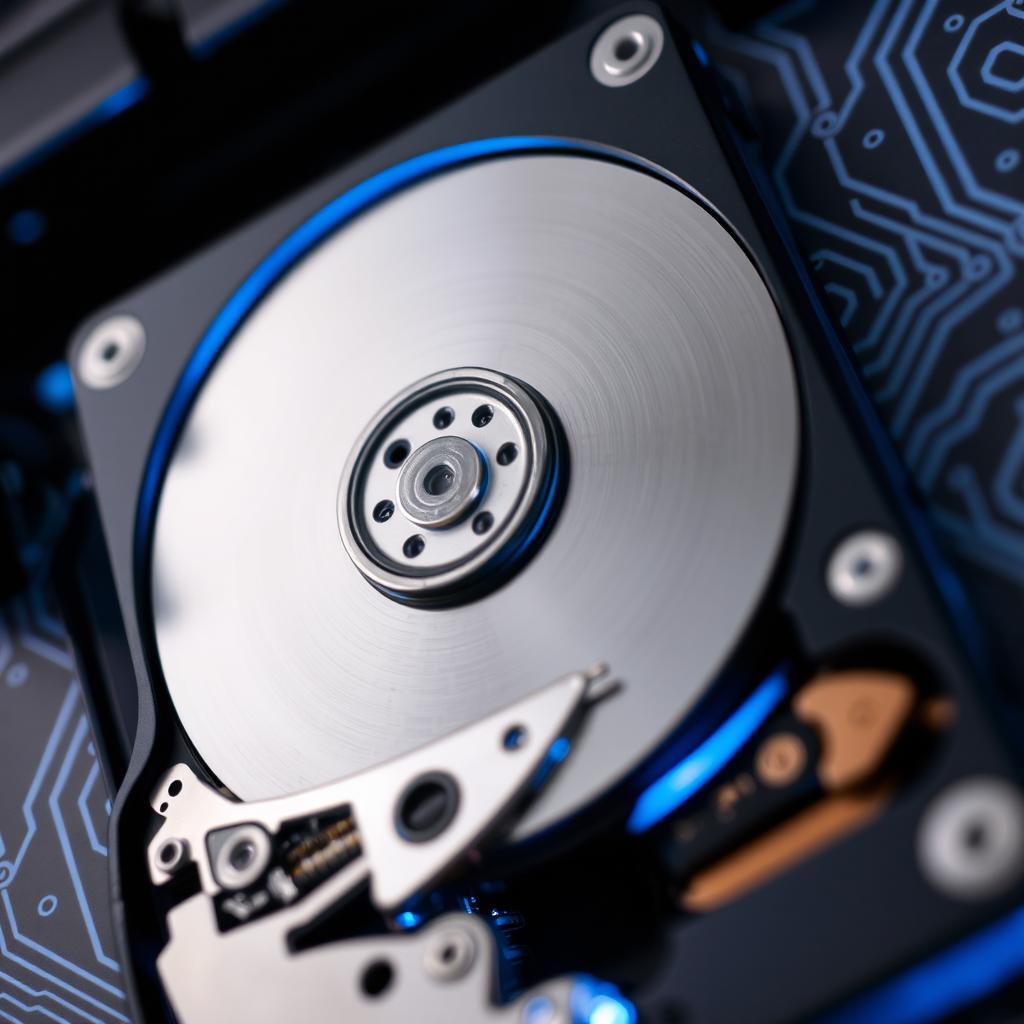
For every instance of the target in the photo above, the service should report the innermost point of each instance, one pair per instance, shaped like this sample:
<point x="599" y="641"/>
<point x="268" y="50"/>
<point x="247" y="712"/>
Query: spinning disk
<point x="639" y="329"/>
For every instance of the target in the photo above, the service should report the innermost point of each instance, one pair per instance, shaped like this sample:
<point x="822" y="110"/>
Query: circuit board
<point x="57" y="957"/>
<point x="891" y="134"/>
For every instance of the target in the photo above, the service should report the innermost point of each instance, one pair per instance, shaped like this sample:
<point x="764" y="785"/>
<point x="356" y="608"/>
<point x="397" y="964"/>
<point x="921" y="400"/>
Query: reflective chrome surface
<point x="461" y="442"/>
<point x="441" y="482"/>
<point x="642" y="322"/>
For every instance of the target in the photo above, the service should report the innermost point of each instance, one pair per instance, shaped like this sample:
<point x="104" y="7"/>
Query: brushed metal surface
<point x="657" y="344"/>
<point x="455" y="557"/>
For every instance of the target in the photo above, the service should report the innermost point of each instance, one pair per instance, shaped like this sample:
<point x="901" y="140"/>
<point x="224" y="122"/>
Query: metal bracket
<point x="275" y="865"/>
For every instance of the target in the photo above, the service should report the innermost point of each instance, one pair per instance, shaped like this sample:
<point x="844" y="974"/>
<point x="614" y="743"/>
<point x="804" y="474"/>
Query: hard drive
<point x="530" y="619"/>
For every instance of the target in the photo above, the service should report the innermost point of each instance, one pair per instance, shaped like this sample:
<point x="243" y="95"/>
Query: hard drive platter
<point x="527" y="616"/>
<point x="643" y="326"/>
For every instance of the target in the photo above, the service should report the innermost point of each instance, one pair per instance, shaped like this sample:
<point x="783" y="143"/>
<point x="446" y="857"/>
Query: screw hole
<point x="482" y="522"/>
<point x="514" y="737"/>
<point x="174" y="788"/>
<point x="482" y="415"/>
<point x="110" y="351"/>
<point x="163" y="807"/>
<point x="439" y="480"/>
<point x="507" y="453"/>
<point x="626" y="48"/>
<point x="167" y="853"/>
<point x="413" y="547"/>
<point x="976" y="836"/>
<point x="396" y="454"/>
<point x="377" y="978"/>
<point x="241" y="855"/>
<point x="444" y="417"/>
<point x="427" y="807"/>
<point x="383" y="511"/>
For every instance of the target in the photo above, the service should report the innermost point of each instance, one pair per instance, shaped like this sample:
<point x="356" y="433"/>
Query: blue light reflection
<point x="699" y="767"/>
<point x="599" y="1002"/>
<point x="326" y="220"/>
<point x="116" y="103"/>
<point x="949" y="981"/>
<point x="54" y="389"/>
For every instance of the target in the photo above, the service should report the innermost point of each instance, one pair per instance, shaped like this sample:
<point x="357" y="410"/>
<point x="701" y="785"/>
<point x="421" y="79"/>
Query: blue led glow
<point x="609" y="1010"/>
<point x="701" y="53"/>
<point x="557" y="753"/>
<point x="329" y="218"/>
<point x="118" y="102"/>
<point x="599" y="1002"/>
<point x="54" y="390"/>
<point x="559" y="750"/>
<point x="408" y="919"/>
<point x="699" y="767"/>
<point x="26" y="227"/>
<point x="972" y="969"/>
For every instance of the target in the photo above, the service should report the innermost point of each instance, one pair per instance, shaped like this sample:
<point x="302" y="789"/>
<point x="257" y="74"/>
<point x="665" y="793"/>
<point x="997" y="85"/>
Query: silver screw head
<point x="242" y="857"/>
<point x="970" y="842"/>
<point x="864" y="567"/>
<point x="461" y="476"/>
<point x="111" y="352"/>
<point x="626" y="50"/>
<point x="450" y="955"/>
<point x="172" y="855"/>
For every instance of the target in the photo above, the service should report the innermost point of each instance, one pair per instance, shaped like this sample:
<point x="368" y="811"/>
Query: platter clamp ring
<point x="451" y="486"/>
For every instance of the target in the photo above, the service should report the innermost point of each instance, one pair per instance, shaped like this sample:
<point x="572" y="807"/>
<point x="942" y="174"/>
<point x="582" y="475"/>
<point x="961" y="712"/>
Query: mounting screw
<point x="111" y="352"/>
<point x="864" y="567"/>
<point x="241" y="857"/>
<point x="626" y="50"/>
<point x="780" y="760"/>
<point x="970" y="842"/>
<point x="449" y="955"/>
<point x="172" y="855"/>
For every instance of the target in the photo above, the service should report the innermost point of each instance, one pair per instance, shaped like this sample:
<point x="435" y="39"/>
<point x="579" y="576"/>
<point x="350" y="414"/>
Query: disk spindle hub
<point x="447" y="489"/>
